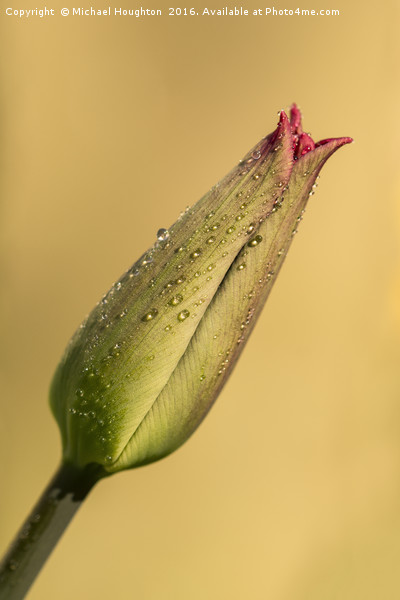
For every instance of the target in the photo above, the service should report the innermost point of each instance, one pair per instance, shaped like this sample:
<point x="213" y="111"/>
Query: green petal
<point x="123" y="355"/>
<point x="226" y="324"/>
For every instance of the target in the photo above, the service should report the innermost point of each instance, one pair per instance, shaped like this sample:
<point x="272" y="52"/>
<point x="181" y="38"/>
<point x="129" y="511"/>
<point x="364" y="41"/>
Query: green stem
<point x="44" y="527"/>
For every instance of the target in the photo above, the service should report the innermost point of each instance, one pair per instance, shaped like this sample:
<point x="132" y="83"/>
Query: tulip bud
<point x="144" y="368"/>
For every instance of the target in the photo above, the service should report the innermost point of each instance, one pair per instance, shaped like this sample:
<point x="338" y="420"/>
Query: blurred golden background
<point x="110" y="126"/>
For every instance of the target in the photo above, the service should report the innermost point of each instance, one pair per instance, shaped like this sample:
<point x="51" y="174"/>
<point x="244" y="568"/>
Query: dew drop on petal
<point x="255" y="241"/>
<point x="196" y="253"/>
<point x="183" y="315"/>
<point x="150" y="315"/>
<point x="162" y="235"/>
<point x="176" y="300"/>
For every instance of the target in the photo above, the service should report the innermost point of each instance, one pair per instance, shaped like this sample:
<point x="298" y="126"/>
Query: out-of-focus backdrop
<point x="110" y="126"/>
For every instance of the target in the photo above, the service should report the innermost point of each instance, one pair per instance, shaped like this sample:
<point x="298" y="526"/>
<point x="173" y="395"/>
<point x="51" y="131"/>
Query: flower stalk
<point x="44" y="527"/>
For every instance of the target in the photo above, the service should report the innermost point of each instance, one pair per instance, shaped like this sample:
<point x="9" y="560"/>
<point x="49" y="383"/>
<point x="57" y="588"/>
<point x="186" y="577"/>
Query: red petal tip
<point x="304" y="145"/>
<point x="295" y="119"/>
<point x="341" y="141"/>
<point x="282" y="117"/>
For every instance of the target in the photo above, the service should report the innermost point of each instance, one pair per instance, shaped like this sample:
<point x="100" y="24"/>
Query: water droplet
<point x="25" y="533"/>
<point x="230" y="229"/>
<point x="202" y="377"/>
<point x="241" y="267"/>
<point x="211" y="240"/>
<point x="12" y="565"/>
<point x="167" y="328"/>
<point x="108" y="458"/>
<point x="256" y="154"/>
<point x="162" y="235"/>
<point x="180" y="279"/>
<point x="176" y="300"/>
<point x="147" y="260"/>
<point x="183" y="315"/>
<point x="150" y="315"/>
<point x="195" y="253"/>
<point x="79" y="393"/>
<point x="255" y="241"/>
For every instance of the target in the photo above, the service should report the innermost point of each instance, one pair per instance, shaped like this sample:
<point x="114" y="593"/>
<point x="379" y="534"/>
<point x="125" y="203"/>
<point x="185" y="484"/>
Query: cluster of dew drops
<point x="163" y="240"/>
<point x="163" y="235"/>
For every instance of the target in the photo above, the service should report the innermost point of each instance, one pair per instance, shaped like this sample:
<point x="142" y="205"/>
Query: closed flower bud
<point x="143" y="370"/>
